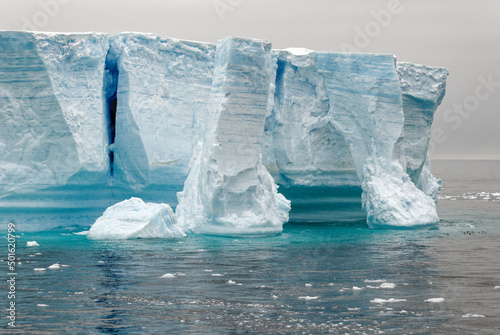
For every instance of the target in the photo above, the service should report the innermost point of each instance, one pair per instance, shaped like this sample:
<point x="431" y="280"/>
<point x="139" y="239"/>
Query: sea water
<point x="311" y="279"/>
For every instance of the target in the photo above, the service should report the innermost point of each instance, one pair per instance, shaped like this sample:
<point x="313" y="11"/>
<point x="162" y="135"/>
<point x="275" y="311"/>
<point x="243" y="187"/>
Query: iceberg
<point x="228" y="190"/>
<point x="88" y="120"/>
<point x="133" y="218"/>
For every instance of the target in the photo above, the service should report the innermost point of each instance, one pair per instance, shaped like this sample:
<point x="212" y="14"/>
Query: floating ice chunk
<point x="387" y="285"/>
<point x="168" y="275"/>
<point x="231" y="282"/>
<point x="469" y="315"/>
<point x="134" y="218"/>
<point x="375" y="281"/>
<point x="496" y="288"/>
<point x="435" y="300"/>
<point x="54" y="266"/>
<point x="355" y="288"/>
<point x="383" y="301"/>
<point x="39" y="269"/>
<point x="308" y="297"/>
<point x="217" y="275"/>
<point x="32" y="244"/>
<point x="308" y="285"/>
<point x="42" y="305"/>
<point x="353" y="308"/>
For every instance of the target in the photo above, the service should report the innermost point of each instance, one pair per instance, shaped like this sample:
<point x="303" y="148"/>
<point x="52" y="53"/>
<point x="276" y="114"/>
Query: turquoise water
<point x="311" y="279"/>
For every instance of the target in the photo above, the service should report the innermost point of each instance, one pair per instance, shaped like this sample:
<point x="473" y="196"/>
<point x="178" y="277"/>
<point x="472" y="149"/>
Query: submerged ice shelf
<point x="96" y="119"/>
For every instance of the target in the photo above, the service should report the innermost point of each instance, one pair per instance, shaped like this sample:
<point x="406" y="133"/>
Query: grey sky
<point x="462" y="35"/>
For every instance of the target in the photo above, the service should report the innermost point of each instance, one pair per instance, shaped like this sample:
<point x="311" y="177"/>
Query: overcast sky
<point x="462" y="35"/>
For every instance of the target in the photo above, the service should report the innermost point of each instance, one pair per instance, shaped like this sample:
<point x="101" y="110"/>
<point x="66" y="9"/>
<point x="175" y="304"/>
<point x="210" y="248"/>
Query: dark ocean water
<point x="311" y="279"/>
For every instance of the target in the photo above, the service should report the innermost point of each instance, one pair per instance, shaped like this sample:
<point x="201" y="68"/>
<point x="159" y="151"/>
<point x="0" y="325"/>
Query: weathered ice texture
<point x="423" y="89"/>
<point x="365" y="97"/>
<point x="53" y="128"/>
<point x="162" y="88"/>
<point x="133" y="218"/>
<point x="229" y="191"/>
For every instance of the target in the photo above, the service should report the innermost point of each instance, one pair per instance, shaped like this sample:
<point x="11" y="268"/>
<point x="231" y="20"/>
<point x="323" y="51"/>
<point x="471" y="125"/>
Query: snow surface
<point x="133" y="218"/>
<point x="228" y="190"/>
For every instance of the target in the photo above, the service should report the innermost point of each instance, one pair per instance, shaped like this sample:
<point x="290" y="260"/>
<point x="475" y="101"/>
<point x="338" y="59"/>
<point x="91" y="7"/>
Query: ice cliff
<point x="109" y="117"/>
<point x="53" y="127"/>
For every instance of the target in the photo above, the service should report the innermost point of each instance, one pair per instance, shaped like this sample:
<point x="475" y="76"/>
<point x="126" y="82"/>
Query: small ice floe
<point x="65" y="265"/>
<point x="308" y="285"/>
<point x="353" y="309"/>
<point x="435" y="300"/>
<point x="180" y="274"/>
<point x="403" y="312"/>
<point x="78" y="292"/>
<point x="32" y="244"/>
<point x="208" y="270"/>
<point x="383" y="301"/>
<point x="355" y="288"/>
<point x="469" y="315"/>
<point x="387" y="285"/>
<point x="201" y="250"/>
<point x="38" y="253"/>
<point x="231" y="282"/>
<point x="101" y="262"/>
<point x="274" y="296"/>
<point x="375" y="280"/>
<point x="39" y="269"/>
<point x="496" y="288"/>
<point x="42" y="305"/>
<point x="54" y="266"/>
<point x="168" y="275"/>
<point x="308" y="297"/>
<point x="217" y="275"/>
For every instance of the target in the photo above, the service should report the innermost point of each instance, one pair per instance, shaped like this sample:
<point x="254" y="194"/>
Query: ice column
<point x="228" y="190"/>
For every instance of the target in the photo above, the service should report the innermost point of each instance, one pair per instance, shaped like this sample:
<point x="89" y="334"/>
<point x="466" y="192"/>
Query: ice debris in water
<point x="308" y="297"/>
<point x="168" y="275"/>
<point x="383" y="301"/>
<point x="54" y="266"/>
<point x="32" y="244"/>
<point x="133" y="218"/>
<point x="435" y="300"/>
<point x="469" y="315"/>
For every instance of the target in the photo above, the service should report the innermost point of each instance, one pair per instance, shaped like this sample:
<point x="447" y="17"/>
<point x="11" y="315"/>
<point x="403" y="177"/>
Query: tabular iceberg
<point x="133" y="218"/>
<point x="229" y="191"/>
<point x="88" y="120"/>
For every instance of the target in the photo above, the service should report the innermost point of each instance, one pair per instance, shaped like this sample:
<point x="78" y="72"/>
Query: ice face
<point x="423" y="89"/>
<point x="53" y="128"/>
<point x="229" y="191"/>
<point x="365" y="96"/>
<point x="162" y="85"/>
<point x="133" y="218"/>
